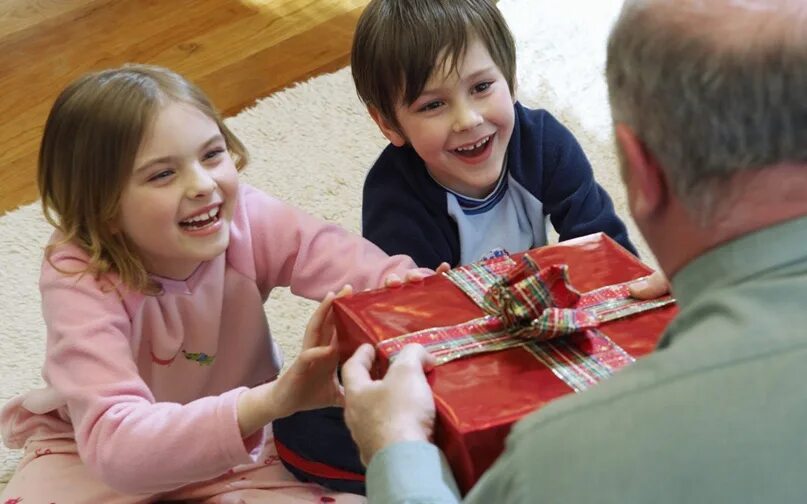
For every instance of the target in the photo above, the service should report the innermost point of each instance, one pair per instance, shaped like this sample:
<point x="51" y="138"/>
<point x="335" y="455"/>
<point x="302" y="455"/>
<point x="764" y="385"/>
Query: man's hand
<point x="398" y="408"/>
<point x="650" y="287"/>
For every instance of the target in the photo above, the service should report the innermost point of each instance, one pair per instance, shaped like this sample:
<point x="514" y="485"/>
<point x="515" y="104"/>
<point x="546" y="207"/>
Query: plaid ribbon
<point x="526" y="306"/>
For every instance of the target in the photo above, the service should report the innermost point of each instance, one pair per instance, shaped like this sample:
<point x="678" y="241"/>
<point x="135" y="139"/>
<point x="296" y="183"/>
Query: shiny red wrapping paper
<point x="479" y="397"/>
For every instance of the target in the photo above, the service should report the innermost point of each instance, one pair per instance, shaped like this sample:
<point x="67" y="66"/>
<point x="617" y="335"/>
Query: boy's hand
<point x="414" y="275"/>
<point x="651" y="286"/>
<point x="443" y="268"/>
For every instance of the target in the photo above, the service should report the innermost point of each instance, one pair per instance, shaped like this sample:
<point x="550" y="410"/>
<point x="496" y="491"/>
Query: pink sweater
<point x="148" y="384"/>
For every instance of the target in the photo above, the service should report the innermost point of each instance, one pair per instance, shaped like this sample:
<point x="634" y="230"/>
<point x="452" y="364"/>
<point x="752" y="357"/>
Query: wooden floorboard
<point x="236" y="51"/>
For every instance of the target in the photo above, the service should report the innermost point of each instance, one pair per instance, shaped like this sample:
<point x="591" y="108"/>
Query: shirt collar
<point x="745" y="257"/>
<point x="478" y="205"/>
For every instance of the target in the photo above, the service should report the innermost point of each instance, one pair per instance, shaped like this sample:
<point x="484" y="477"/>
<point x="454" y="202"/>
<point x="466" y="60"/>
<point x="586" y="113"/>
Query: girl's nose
<point x="201" y="183"/>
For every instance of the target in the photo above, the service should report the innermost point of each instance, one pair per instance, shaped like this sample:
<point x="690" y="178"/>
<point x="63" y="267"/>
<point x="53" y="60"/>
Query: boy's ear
<point x="647" y="187"/>
<point x="387" y="129"/>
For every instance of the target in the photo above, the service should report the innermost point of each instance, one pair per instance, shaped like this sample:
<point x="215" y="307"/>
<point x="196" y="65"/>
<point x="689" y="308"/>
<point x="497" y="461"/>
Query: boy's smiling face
<point x="461" y="123"/>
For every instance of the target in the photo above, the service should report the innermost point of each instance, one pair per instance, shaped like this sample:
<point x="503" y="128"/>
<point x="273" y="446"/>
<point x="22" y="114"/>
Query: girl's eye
<point x="431" y="106"/>
<point x="161" y="175"/>
<point x="482" y="87"/>
<point x="213" y="153"/>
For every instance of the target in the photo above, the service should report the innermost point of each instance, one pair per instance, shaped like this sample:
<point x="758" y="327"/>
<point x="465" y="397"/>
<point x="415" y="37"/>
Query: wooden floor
<point x="237" y="51"/>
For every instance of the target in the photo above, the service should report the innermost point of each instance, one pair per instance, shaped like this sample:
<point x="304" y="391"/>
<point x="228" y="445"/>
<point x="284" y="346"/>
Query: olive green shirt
<point x="717" y="414"/>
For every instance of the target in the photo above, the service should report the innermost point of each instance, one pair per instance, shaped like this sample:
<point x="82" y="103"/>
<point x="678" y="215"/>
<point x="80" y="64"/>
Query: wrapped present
<point x="510" y="334"/>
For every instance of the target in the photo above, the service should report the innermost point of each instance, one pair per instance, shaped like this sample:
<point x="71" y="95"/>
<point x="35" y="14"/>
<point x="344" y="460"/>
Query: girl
<point x="160" y="369"/>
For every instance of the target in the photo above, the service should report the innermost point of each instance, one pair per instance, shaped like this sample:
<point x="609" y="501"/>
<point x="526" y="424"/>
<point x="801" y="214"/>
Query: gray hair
<point x="711" y="92"/>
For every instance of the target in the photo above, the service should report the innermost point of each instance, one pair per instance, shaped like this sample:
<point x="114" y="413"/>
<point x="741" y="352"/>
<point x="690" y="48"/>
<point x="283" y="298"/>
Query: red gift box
<point x="480" y="396"/>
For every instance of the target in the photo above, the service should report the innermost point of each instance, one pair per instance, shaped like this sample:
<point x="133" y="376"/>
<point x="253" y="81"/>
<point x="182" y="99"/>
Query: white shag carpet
<point x="312" y="144"/>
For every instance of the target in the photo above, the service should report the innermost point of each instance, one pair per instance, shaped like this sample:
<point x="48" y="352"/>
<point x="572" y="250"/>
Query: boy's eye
<point x="431" y="106"/>
<point x="213" y="153"/>
<point x="482" y="87"/>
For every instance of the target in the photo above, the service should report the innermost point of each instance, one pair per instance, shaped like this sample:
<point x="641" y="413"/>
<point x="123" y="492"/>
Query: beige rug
<point x="312" y="144"/>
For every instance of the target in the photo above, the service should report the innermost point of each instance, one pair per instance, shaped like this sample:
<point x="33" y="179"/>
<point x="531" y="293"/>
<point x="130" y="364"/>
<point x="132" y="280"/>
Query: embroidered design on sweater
<point x="202" y="358"/>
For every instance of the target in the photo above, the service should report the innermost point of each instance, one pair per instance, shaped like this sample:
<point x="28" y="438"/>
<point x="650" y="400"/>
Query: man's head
<point x="440" y="75"/>
<point x="709" y="98"/>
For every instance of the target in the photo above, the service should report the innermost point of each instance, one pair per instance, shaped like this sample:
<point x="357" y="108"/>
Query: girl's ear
<point x="388" y="130"/>
<point x="113" y="225"/>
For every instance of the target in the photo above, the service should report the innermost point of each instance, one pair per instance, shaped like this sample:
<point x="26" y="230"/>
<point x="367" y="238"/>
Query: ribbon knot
<point x="514" y="313"/>
<point x="536" y="304"/>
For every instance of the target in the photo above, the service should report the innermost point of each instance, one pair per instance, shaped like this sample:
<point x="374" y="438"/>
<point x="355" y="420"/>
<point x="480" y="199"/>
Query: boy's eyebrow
<point x="215" y="138"/>
<point x="481" y="71"/>
<point x="470" y="77"/>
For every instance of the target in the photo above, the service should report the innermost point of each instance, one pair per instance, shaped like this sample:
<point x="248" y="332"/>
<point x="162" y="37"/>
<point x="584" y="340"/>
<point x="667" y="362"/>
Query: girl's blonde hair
<point x="91" y="138"/>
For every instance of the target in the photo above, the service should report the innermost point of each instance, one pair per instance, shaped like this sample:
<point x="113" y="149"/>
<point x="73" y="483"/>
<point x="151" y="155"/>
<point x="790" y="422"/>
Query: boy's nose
<point x="466" y="118"/>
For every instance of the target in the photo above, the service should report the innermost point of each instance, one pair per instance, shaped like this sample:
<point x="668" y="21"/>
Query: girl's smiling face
<point x="177" y="206"/>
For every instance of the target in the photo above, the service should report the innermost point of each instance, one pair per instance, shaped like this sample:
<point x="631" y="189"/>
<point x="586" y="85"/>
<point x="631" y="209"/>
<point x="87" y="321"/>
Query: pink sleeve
<point x="131" y="442"/>
<point x="293" y="248"/>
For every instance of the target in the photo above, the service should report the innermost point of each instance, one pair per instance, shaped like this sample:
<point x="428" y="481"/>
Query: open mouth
<point x="475" y="149"/>
<point x="202" y="220"/>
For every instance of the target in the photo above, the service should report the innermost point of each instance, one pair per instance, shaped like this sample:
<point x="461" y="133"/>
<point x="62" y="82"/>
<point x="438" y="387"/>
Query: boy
<point x="468" y="168"/>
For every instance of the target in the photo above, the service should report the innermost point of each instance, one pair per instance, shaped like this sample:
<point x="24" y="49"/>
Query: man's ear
<point x="648" y="191"/>
<point x="388" y="130"/>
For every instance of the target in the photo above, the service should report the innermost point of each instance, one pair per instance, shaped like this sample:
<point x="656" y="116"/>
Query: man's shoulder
<point x="660" y="423"/>
<point x="628" y="386"/>
<point x="667" y="415"/>
<point x="720" y="346"/>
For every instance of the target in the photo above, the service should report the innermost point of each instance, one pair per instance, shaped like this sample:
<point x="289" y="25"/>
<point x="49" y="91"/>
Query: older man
<point x="709" y="99"/>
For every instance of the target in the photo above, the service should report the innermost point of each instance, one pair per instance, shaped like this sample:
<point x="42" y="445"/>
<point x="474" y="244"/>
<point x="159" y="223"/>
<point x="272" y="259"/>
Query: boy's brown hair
<point x="87" y="153"/>
<point x="399" y="43"/>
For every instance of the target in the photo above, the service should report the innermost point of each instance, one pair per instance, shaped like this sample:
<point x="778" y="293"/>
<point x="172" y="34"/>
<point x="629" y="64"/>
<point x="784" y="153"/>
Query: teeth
<point x="476" y="145"/>
<point x="203" y="216"/>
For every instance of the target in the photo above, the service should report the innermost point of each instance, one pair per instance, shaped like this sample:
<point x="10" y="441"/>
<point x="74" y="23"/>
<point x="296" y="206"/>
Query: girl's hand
<point x="311" y="381"/>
